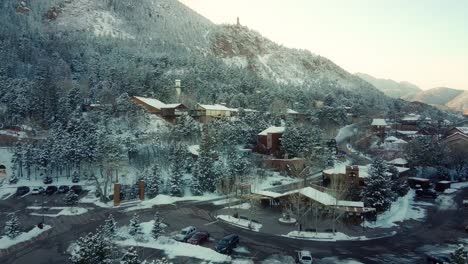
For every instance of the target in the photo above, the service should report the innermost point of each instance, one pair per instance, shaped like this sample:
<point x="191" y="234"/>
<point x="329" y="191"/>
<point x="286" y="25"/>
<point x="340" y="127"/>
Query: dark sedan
<point x="198" y="238"/>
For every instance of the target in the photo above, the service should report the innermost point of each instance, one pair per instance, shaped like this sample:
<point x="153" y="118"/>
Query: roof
<point x="217" y="107"/>
<point x="363" y="170"/>
<point x="398" y="161"/>
<point x="194" y="149"/>
<point x="290" y="111"/>
<point x="378" y="122"/>
<point x="411" y="117"/>
<point x="401" y="169"/>
<point x="404" y="132"/>
<point x="156" y="103"/>
<point x="268" y="194"/>
<point x="272" y="130"/>
<point x="391" y="138"/>
<point x="464" y="130"/>
<point x="323" y="198"/>
<point x="400" y="141"/>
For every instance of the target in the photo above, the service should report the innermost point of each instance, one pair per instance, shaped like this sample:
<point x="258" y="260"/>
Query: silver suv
<point x="304" y="257"/>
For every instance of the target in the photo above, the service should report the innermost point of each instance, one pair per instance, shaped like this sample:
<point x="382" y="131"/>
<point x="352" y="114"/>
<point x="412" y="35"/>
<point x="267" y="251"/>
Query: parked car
<point x="227" y="244"/>
<point x="426" y="193"/>
<point x="51" y="190"/>
<point x="22" y="190"/>
<point x="304" y="257"/>
<point x="76" y="179"/>
<point x="13" y="180"/>
<point x="63" y="189"/>
<point x="437" y="259"/>
<point x="185" y="233"/>
<point x="199" y="237"/>
<point x="37" y="190"/>
<point x="47" y="180"/>
<point x="77" y="189"/>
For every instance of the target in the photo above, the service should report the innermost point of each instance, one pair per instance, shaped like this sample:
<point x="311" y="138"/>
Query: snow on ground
<point x="6" y="193"/>
<point x="241" y="250"/>
<point x="6" y="242"/>
<point x="279" y="259"/>
<point x="345" y="133"/>
<point x="246" y="224"/>
<point x="162" y="199"/>
<point x="244" y="206"/>
<point x="259" y="184"/>
<point x="174" y="249"/>
<point x="68" y="211"/>
<point x="335" y="260"/>
<point x="446" y="202"/>
<point x="319" y="236"/>
<point x="459" y="185"/>
<point x="225" y="201"/>
<point x="402" y="209"/>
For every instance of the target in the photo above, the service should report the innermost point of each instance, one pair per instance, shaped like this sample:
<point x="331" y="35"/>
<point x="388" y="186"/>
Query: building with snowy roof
<point x="457" y="136"/>
<point x="269" y="140"/>
<point x="154" y="106"/>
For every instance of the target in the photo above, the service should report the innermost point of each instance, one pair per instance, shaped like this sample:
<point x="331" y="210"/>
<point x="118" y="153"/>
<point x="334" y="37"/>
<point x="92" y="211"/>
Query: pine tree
<point x="130" y="257"/>
<point x="195" y="186"/>
<point x="12" y="227"/>
<point x="460" y="256"/>
<point x="71" y="198"/>
<point x="158" y="227"/>
<point x="92" y="248"/>
<point x="175" y="181"/>
<point x="135" y="228"/>
<point x="110" y="227"/>
<point x="153" y="182"/>
<point x="206" y="177"/>
<point x="378" y="190"/>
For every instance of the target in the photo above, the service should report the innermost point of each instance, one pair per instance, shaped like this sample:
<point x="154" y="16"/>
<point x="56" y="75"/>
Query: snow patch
<point x="6" y="242"/>
<point x="162" y="199"/>
<point x="240" y="222"/>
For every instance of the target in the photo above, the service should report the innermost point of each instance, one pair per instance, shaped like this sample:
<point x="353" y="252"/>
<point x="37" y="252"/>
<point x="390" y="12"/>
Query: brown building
<point x="457" y="136"/>
<point x="154" y="106"/>
<point x="269" y="140"/>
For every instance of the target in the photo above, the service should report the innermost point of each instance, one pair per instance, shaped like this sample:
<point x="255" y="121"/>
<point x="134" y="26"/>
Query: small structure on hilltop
<point x="399" y="162"/>
<point x="410" y="122"/>
<point x="167" y="111"/>
<point x="379" y="127"/>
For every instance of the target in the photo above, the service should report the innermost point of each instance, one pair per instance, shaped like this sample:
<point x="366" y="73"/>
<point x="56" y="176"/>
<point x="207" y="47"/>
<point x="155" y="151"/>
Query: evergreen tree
<point x="92" y="248"/>
<point x="153" y="181"/>
<point x="206" y="158"/>
<point x="460" y="256"/>
<point x="110" y="227"/>
<point x="135" y="228"/>
<point x="71" y="198"/>
<point x="130" y="257"/>
<point x="175" y="181"/>
<point x="195" y="186"/>
<point x="158" y="227"/>
<point x="378" y="190"/>
<point x="399" y="187"/>
<point x="12" y="227"/>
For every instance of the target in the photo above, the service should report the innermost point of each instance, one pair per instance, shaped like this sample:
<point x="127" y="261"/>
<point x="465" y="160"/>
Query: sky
<point x="424" y="42"/>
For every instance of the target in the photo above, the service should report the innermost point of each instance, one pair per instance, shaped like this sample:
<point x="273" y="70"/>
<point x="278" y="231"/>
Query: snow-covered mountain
<point x="390" y="87"/>
<point x="443" y="97"/>
<point x="245" y="48"/>
<point x="171" y="21"/>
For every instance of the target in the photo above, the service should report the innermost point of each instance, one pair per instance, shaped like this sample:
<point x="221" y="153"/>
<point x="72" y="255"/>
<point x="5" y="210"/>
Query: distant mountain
<point x="391" y="87"/>
<point x="443" y="97"/>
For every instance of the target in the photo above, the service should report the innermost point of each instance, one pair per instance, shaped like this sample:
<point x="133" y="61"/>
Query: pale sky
<point x="424" y="42"/>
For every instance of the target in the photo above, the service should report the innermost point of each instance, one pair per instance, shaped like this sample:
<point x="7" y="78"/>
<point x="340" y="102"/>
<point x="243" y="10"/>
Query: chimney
<point x="238" y="22"/>
<point x="178" y="88"/>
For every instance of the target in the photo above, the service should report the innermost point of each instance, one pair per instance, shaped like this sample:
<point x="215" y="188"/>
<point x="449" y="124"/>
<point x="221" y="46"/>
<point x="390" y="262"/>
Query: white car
<point x="37" y="190"/>
<point x="304" y="257"/>
<point x="185" y="233"/>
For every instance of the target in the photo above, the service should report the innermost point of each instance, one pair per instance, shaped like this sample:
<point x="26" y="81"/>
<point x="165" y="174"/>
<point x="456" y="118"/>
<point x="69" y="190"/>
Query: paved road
<point x="442" y="226"/>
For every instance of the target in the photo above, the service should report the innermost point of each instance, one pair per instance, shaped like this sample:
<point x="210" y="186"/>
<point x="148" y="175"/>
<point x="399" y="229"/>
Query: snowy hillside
<point x="442" y="96"/>
<point x="244" y="48"/>
<point x="391" y="87"/>
<point x="162" y="20"/>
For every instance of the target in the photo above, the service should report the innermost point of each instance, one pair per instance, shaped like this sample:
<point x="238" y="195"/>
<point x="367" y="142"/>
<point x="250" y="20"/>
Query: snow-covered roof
<point x="273" y="130"/>
<point x="268" y="194"/>
<point x="400" y="141"/>
<point x="401" y="169"/>
<point x="411" y="117"/>
<point x="464" y="130"/>
<point x="391" y="139"/>
<point x="398" y="161"/>
<point x="404" y="132"/>
<point x="217" y="107"/>
<point x="172" y="105"/>
<point x="316" y="195"/>
<point x="323" y="198"/>
<point x="152" y="102"/>
<point x="194" y="149"/>
<point x="378" y="122"/>
<point x="350" y="203"/>
<point x="290" y="111"/>
<point x="341" y="169"/>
